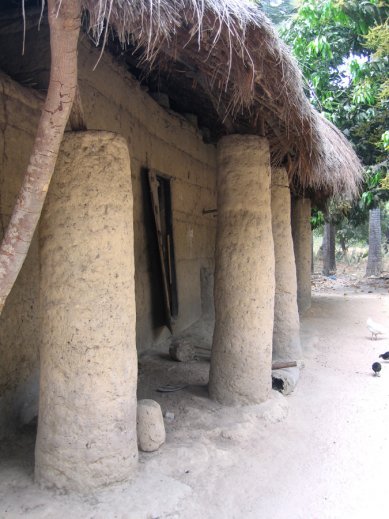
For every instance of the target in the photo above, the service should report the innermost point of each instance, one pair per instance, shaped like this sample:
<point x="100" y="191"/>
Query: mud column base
<point x="301" y="230"/>
<point x="286" y="332"/>
<point x="87" y="411"/>
<point x="244" y="274"/>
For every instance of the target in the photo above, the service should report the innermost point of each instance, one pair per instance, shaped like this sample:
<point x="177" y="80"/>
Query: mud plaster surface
<point x="286" y="337"/>
<point x="156" y="138"/>
<point x="19" y="322"/>
<point x="327" y="459"/>
<point x="244" y="273"/>
<point x="87" y="405"/>
<point x="301" y="231"/>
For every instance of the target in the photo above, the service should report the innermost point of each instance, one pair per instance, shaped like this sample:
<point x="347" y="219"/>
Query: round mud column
<point x="244" y="273"/>
<point x="286" y="332"/>
<point x="87" y="410"/>
<point x="301" y="231"/>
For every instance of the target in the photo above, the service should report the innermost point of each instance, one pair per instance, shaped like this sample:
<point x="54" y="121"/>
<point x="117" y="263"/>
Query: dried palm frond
<point x="232" y="48"/>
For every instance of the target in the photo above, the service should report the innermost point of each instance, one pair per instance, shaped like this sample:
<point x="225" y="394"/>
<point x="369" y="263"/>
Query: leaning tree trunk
<point x="329" y="263"/>
<point x="374" y="262"/>
<point x="64" y="31"/>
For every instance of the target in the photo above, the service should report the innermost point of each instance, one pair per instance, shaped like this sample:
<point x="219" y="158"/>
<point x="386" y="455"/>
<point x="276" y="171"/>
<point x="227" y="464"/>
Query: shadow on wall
<point x="19" y="408"/>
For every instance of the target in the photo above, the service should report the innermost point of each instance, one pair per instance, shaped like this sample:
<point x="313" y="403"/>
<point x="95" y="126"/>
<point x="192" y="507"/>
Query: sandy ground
<point x="320" y="453"/>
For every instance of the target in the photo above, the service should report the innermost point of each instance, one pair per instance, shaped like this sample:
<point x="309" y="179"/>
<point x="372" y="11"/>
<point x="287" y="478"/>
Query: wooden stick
<point x="281" y="365"/>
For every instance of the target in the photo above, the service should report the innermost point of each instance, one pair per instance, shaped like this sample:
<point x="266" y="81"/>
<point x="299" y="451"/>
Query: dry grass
<point x="232" y="51"/>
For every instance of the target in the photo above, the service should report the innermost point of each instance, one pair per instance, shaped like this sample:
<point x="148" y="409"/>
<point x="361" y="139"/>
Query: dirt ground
<point x="320" y="453"/>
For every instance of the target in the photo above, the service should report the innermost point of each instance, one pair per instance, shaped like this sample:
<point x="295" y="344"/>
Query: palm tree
<point x="329" y="263"/>
<point x="374" y="262"/>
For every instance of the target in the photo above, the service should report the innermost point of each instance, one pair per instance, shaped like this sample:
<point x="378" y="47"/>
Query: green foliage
<point x="376" y="186"/>
<point x="384" y="142"/>
<point x="377" y="39"/>
<point x="317" y="219"/>
<point x="353" y="234"/>
<point x="385" y="182"/>
<point x="342" y="48"/>
<point x="337" y="209"/>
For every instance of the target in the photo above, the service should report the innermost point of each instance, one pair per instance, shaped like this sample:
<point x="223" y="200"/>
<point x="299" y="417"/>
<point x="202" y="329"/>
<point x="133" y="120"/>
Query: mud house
<point x="198" y="131"/>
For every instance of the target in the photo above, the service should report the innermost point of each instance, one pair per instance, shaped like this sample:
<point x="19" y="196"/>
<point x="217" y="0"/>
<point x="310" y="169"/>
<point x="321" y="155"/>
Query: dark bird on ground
<point x="376" y="367"/>
<point x="384" y="356"/>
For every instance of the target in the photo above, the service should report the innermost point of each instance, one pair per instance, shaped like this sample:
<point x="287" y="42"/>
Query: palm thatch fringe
<point x="233" y="51"/>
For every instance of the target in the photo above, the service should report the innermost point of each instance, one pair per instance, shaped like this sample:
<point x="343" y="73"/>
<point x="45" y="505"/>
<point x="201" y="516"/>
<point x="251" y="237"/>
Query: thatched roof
<point x="230" y="53"/>
<point x="223" y="61"/>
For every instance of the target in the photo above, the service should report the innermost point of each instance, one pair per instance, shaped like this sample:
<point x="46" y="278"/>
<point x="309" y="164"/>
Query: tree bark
<point x="64" y="31"/>
<point x="374" y="262"/>
<point x="332" y="248"/>
<point x="342" y="241"/>
<point x="329" y="263"/>
<point x="386" y="243"/>
<point x="312" y="256"/>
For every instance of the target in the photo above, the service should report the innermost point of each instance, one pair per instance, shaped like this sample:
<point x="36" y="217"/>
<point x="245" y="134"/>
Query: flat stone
<point x="150" y="425"/>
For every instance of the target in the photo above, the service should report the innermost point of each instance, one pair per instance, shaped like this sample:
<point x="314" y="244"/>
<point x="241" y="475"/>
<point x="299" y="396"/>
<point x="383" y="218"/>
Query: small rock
<point x="182" y="351"/>
<point x="169" y="416"/>
<point x="150" y="425"/>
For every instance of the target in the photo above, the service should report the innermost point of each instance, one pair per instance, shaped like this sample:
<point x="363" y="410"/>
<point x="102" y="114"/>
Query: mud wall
<point x="157" y="138"/>
<point x="166" y="142"/>
<point x="19" y="322"/>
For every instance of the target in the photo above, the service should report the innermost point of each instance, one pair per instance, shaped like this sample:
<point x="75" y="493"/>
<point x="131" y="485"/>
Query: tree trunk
<point x="312" y="256"/>
<point x="326" y="250"/>
<point x="342" y="241"/>
<point x="386" y="243"/>
<point x="332" y="248"/>
<point x="374" y="260"/>
<point x="64" y="32"/>
<point x="329" y="263"/>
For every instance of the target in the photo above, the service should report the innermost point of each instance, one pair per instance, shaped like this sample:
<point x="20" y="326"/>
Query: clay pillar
<point x="87" y="410"/>
<point x="244" y="273"/>
<point x="286" y="331"/>
<point x="301" y="230"/>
